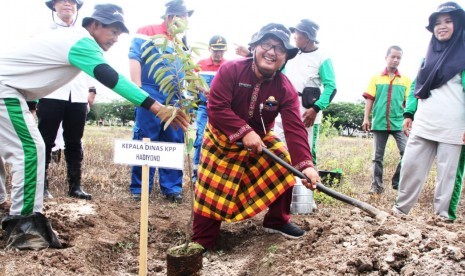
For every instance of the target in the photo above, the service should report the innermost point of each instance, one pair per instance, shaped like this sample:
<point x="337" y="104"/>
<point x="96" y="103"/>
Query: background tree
<point x="123" y="110"/>
<point x="120" y="110"/>
<point x="97" y="112"/>
<point x="348" y="115"/>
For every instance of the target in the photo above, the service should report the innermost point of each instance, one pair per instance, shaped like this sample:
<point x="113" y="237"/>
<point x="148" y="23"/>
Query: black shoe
<point x="289" y="230"/>
<point x="78" y="193"/>
<point x="74" y="181"/>
<point x="136" y="197"/>
<point x="176" y="198"/>
<point x="377" y="191"/>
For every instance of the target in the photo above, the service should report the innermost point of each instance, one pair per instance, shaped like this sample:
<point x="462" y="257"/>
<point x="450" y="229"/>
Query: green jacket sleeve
<point x="328" y="81"/>
<point x="87" y="55"/>
<point x="412" y="102"/>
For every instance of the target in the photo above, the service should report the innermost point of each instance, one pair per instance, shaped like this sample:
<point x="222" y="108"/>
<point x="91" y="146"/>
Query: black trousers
<point x="51" y="113"/>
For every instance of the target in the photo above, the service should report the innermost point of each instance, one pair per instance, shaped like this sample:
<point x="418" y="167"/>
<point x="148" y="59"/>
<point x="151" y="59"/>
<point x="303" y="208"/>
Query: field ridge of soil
<point x="101" y="238"/>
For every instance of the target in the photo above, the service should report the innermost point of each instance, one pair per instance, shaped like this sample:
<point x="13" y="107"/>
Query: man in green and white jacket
<point x="312" y="69"/>
<point x="39" y="67"/>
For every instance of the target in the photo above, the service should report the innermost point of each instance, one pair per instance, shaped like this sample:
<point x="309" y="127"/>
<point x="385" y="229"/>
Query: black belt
<point x="202" y="103"/>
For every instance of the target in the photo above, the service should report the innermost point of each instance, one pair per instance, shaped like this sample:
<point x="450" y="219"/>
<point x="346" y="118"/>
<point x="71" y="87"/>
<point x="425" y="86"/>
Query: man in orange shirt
<point x="208" y="66"/>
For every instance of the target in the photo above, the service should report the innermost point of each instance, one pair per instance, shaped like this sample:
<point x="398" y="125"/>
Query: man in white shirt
<point x="66" y="106"/>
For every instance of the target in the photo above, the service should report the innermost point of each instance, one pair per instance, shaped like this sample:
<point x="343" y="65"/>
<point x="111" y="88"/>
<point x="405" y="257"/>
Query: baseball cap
<point x="107" y="14"/>
<point x="280" y="32"/>
<point x="448" y="7"/>
<point x="218" y="43"/>
<point x="307" y="27"/>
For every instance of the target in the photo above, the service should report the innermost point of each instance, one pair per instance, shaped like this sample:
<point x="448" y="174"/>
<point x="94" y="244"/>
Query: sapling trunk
<point x="191" y="192"/>
<point x="182" y="83"/>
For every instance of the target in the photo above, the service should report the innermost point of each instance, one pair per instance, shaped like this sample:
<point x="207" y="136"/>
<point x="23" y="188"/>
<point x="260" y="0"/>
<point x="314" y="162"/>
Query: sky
<point x="355" y="34"/>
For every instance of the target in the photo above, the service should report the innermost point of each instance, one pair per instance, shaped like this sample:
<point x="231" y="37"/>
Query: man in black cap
<point x="34" y="70"/>
<point x="309" y="85"/>
<point x="146" y="124"/>
<point x="217" y="47"/>
<point x="312" y="74"/>
<point x="66" y="109"/>
<point x="237" y="182"/>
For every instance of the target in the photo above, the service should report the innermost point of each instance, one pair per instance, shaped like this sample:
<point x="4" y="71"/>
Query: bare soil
<point x="101" y="236"/>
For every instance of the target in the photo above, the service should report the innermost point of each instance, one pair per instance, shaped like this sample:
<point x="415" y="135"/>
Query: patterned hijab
<point x="444" y="59"/>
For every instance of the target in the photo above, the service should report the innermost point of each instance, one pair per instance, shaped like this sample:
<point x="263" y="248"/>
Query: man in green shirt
<point x="385" y="99"/>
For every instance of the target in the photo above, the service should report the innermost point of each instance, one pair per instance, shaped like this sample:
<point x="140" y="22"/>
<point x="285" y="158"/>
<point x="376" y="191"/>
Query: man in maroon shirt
<point x="236" y="183"/>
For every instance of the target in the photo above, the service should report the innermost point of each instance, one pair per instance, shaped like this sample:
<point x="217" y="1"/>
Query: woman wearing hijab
<point x="434" y="117"/>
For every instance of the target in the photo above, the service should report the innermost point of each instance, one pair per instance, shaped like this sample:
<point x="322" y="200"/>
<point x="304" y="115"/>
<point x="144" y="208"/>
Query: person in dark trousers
<point x="67" y="106"/>
<point x="385" y="99"/>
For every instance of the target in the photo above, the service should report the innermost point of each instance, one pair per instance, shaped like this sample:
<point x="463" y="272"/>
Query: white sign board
<point x="153" y="154"/>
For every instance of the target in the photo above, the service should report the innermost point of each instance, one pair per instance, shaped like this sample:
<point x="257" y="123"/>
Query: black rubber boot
<point x="74" y="182"/>
<point x="47" y="194"/>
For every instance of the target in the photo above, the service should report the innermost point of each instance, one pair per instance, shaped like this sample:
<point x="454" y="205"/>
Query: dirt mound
<point x="101" y="238"/>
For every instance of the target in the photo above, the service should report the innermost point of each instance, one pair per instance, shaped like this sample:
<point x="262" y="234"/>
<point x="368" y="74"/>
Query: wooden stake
<point x="144" y="217"/>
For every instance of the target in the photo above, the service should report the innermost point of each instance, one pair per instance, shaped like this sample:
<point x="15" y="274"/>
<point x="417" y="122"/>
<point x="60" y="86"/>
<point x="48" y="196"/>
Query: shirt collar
<point x="386" y="73"/>
<point x="211" y="63"/>
<point x="58" y="23"/>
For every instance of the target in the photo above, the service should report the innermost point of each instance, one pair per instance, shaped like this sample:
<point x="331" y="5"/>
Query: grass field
<point x="101" y="236"/>
<point x="350" y="154"/>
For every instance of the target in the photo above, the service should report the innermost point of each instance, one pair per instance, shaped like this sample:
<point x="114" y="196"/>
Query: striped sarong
<point x="234" y="184"/>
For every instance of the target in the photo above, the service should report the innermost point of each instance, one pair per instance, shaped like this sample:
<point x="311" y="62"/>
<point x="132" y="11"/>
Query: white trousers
<point x="312" y="133"/>
<point x="312" y="140"/>
<point x="22" y="146"/>
<point x="418" y="158"/>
